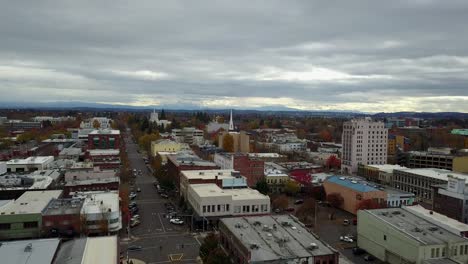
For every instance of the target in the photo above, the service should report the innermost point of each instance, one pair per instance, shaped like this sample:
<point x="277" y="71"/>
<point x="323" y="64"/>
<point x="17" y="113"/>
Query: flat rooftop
<point x="103" y="152"/>
<point x="212" y="190"/>
<point x="413" y="226"/>
<point x="31" y="160"/>
<point x="63" y="206"/>
<point x="104" y="132"/>
<point x="101" y="250"/>
<point x="442" y="220"/>
<point x="71" y="151"/>
<point x="92" y="181"/>
<point x="265" y="155"/>
<point x="387" y="167"/>
<point x="352" y="183"/>
<point x="31" y="202"/>
<point x="92" y="201"/>
<point x="34" y="251"/>
<point x="434" y="173"/>
<point x="190" y="159"/>
<point x="270" y="238"/>
<point x="208" y="174"/>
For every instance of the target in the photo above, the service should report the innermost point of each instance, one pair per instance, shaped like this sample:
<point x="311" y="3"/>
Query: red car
<point x="289" y="209"/>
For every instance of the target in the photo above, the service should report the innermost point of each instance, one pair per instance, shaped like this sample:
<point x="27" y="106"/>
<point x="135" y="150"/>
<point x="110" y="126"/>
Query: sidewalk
<point x="133" y="261"/>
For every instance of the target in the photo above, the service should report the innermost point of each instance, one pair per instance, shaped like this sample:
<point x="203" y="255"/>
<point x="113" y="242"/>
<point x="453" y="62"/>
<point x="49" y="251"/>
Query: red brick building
<point x="61" y="217"/>
<point x="104" y="139"/>
<point x="250" y="167"/>
<point x="105" y="159"/>
<point x="186" y="161"/>
<point x="107" y="184"/>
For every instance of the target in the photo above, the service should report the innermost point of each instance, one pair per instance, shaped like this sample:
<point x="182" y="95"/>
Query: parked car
<point x="358" y="251"/>
<point x="165" y="196"/>
<point x="369" y="258"/>
<point x="299" y="201"/>
<point x="134" y="210"/>
<point x="138" y="190"/>
<point x="289" y="209"/>
<point x="132" y="195"/>
<point x="346" y="239"/>
<point x="277" y="210"/>
<point x="134" y="248"/>
<point x="176" y="221"/>
<point x="345" y="222"/>
<point x="354" y="221"/>
<point x="135" y="223"/>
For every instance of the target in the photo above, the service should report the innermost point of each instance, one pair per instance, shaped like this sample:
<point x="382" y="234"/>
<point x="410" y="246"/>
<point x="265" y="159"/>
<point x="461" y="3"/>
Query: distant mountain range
<point x="274" y="109"/>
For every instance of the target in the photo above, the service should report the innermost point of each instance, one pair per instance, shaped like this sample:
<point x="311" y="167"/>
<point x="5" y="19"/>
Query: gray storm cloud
<point x="327" y="55"/>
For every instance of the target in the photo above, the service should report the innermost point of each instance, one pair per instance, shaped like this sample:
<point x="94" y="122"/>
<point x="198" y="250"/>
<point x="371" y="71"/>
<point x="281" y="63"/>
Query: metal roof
<point x="35" y="251"/>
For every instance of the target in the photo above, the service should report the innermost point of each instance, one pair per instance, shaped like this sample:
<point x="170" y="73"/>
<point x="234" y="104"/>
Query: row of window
<point x="7" y="226"/>
<point x="437" y="252"/>
<point x="212" y="208"/>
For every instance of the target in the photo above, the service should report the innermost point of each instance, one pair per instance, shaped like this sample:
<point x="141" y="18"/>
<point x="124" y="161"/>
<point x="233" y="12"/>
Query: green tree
<point x="145" y="141"/>
<point x="262" y="186"/>
<point x="292" y="187"/>
<point x="228" y="143"/>
<point x="209" y="244"/>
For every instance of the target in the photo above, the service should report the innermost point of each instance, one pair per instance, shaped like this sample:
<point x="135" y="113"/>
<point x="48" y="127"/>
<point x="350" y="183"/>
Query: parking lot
<point x="155" y="239"/>
<point x="331" y="231"/>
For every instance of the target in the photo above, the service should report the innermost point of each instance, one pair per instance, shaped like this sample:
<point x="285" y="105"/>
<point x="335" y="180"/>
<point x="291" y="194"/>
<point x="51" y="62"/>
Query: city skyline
<point x="308" y="55"/>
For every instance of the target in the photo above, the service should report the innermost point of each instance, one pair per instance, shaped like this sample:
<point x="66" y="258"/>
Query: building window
<point x="219" y="208"/>
<point x="5" y="226"/>
<point x="443" y="252"/>
<point x="461" y="249"/>
<point x="208" y="208"/>
<point x="432" y="252"/>
<point x="437" y="252"/>
<point x="384" y="237"/>
<point x="204" y="208"/>
<point x="227" y="207"/>
<point x="30" y="225"/>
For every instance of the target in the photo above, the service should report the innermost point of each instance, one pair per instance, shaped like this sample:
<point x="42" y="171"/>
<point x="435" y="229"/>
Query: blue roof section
<point x="352" y="184"/>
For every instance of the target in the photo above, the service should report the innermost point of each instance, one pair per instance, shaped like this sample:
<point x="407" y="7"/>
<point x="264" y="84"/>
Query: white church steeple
<point x="231" y="123"/>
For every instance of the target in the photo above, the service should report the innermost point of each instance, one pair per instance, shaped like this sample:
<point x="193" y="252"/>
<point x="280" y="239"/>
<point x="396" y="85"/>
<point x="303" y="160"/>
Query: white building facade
<point x="364" y="142"/>
<point x="209" y="200"/>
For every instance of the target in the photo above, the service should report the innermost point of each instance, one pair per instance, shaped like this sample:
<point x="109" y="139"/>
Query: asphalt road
<point x="160" y="240"/>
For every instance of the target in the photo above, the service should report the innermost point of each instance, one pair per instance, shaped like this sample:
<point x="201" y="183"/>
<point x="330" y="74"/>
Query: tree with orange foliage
<point x="281" y="202"/>
<point x="96" y="124"/>
<point x="326" y="136"/>
<point x="228" y="143"/>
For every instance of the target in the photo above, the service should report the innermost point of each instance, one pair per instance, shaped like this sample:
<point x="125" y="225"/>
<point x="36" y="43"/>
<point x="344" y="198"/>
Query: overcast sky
<point x="367" y="56"/>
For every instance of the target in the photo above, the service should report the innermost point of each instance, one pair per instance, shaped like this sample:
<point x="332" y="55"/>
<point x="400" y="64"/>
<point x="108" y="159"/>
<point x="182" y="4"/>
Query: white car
<point x="135" y="217"/>
<point x="346" y="239"/>
<point x="176" y="221"/>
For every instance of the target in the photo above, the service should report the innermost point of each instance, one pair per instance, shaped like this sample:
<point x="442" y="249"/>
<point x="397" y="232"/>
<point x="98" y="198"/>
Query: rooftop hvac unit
<point x="313" y="246"/>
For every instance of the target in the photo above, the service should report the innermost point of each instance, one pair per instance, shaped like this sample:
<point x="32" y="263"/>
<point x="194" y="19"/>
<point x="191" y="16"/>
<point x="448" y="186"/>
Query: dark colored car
<point x="134" y="248"/>
<point x="358" y="251"/>
<point x="369" y="258"/>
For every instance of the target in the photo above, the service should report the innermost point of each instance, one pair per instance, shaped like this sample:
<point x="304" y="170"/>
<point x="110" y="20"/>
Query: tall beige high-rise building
<point x="364" y="142"/>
